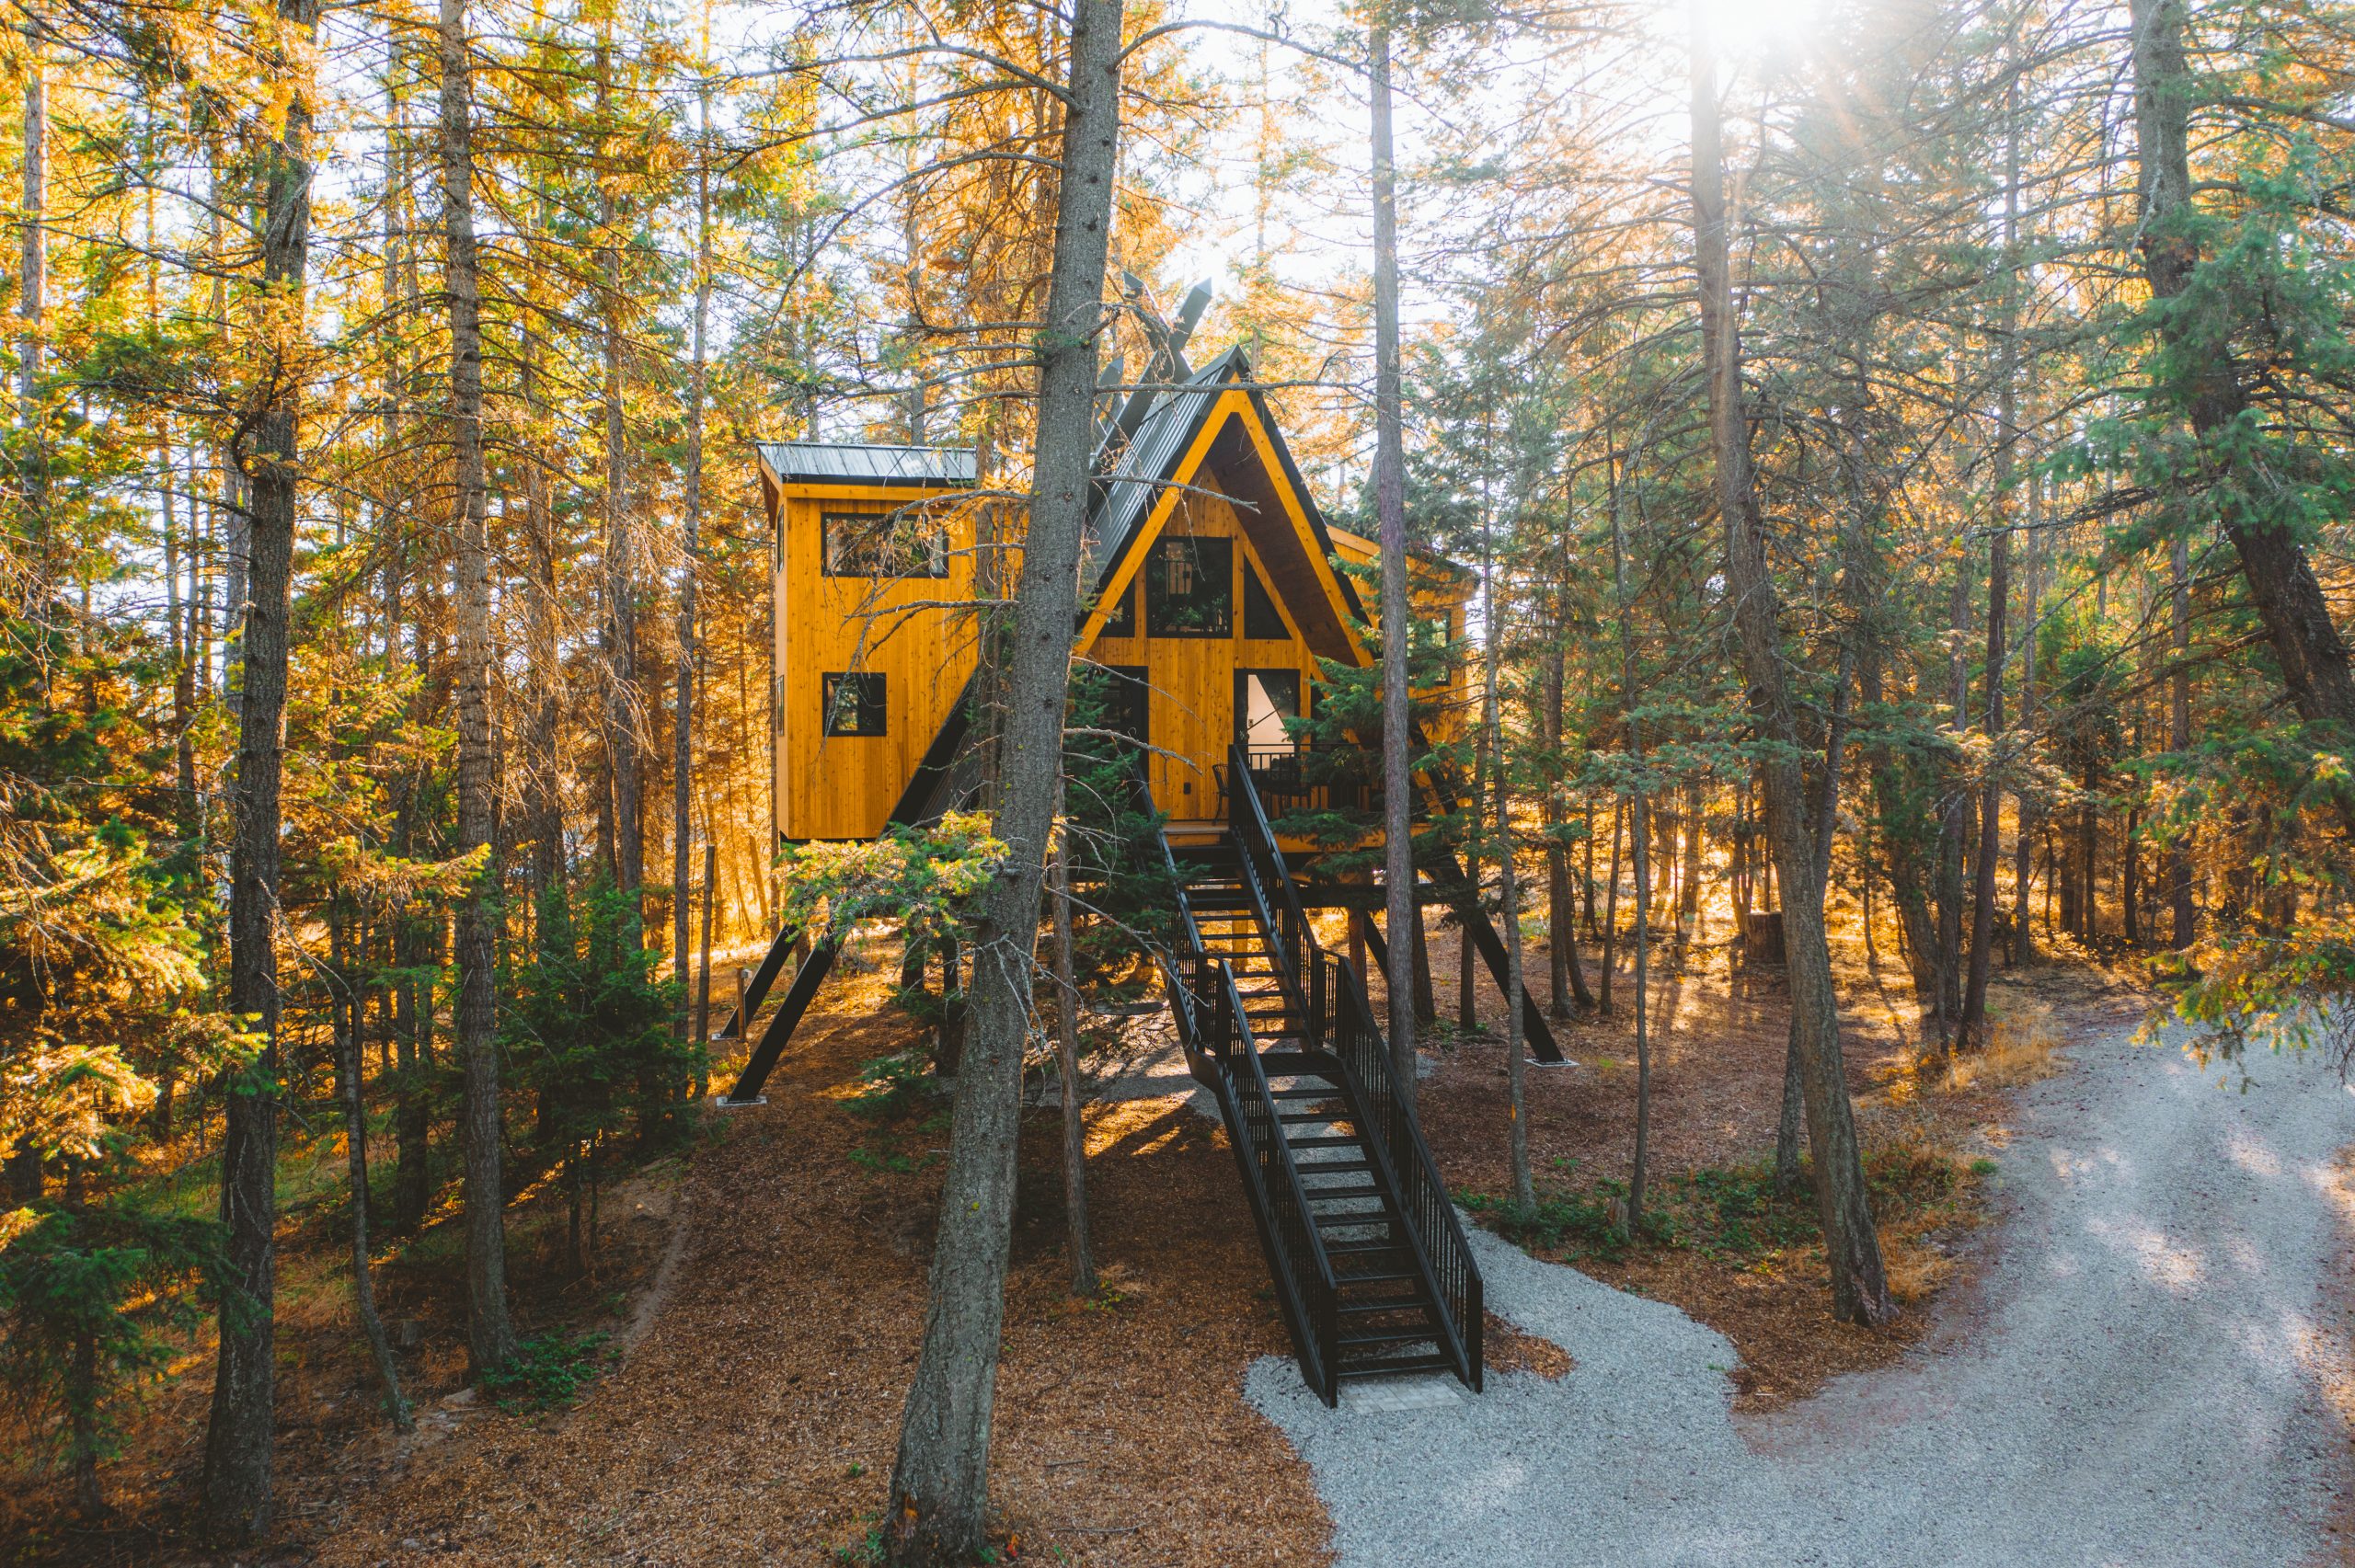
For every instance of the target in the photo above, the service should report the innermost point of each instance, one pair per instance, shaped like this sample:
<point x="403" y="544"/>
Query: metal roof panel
<point x="839" y="463"/>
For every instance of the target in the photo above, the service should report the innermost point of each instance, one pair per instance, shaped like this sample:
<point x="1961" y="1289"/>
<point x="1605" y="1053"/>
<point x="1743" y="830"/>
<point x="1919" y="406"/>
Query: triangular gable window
<point x="1261" y="619"/>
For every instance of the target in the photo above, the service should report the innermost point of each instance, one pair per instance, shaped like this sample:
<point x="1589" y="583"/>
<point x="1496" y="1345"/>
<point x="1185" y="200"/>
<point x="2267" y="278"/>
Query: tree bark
<point x="2184" y="916"/>
<point x="1860" y="1288"/>
<point x="1970" y="1029"/>
<point x="1565" y="976"/>
<point x="1390" y="506"/>
<point x="690" y="546"/>
<point x="2023" y="801"/>
<point x="237" y="1481"/>
<point x="620" y="627"/>
<point x="490" y="1333"/>
<point x="1611" y="915"/>
<point x="1524" y="1190"/>
<point x="32" y="264"/>
<point x="351" y="1062"/>
<point x="939" y="1481"/>
<point x="1082" y="1259"/>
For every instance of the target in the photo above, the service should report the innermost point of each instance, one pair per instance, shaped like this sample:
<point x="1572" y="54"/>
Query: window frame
<point x="874" y="693"/>
<point x="1156" y="591"/>
<point x="936" y="558"/>
<point x="1121" y="619"/>
<point x="1255" y="587"/>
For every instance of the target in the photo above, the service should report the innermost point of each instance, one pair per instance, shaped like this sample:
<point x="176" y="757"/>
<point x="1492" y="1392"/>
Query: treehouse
<point x="1217" y="586"/>
<point x="1214" y="587"/>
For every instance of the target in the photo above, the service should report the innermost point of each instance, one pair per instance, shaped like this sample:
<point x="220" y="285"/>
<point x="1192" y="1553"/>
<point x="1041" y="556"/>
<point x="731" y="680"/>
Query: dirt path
<point x="2157" y="1373"/>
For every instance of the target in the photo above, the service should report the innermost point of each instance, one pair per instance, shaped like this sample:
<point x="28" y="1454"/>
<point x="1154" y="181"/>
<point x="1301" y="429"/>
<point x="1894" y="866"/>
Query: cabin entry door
<point x="1264" y="700"/>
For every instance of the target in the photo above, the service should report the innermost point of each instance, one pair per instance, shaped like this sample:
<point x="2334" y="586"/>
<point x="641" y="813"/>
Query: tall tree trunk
<point x="620" y="628"/>
<point x="1611" y="915"/>
<point x="1639" y="831"/>
<point x="1955" y="821"/>
<point x="236" y="1483"/>
<point x="490" y="1334"/>
<point x="543" y="781"/>
<point x="939" y="1483"/>
<point x="350" y="1063"/>
<point x="1082" y="1259"/>
<point x="1688" y="882"/>
<point x="2024" y="801"/>
<point x="1492" y="734"/>
<point x="1390" y="506"/>
<point x="690" y="545"/>
<point x="2180" y="733"/>
<point x="1859" y="1286"/>
<point x="2306" y="644"/>
<point x="1565" y="975"/>
<point x="1970" y="1028"/>
<point x="31" y="277"/>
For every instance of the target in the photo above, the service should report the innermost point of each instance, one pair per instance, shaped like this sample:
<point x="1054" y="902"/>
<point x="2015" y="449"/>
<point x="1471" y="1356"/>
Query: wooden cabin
<point x="1214" y="589"/>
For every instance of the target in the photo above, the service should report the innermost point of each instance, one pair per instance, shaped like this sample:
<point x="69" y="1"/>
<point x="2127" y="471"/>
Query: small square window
<point x="853" y="704"/>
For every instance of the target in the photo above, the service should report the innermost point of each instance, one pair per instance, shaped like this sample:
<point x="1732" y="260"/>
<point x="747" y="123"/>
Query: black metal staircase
<point x="1369" y="1261"/>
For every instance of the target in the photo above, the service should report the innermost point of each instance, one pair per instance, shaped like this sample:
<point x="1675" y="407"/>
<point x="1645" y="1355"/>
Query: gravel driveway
<point x="2144" y="1380"/>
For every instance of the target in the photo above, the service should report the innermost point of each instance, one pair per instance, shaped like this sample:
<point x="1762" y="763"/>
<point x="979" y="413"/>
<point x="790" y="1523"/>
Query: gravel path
<point x="2146" y="1378"/>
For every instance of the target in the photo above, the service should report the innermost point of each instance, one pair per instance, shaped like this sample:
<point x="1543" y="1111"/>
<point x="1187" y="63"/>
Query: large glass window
<point x="853" y="704"/>
<point x="1189" y="587"/>
<point x="883" y="545"/>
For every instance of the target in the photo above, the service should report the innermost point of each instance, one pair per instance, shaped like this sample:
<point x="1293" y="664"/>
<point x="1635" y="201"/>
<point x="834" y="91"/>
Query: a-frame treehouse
<point x="1216" y="587"/>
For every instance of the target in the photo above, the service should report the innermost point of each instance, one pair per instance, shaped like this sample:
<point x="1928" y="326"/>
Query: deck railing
<point x="1268" y="882"/>
<point x="1342" y="1025"/>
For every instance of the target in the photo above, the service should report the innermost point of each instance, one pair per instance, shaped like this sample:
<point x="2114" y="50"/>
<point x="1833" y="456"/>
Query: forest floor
<point x="752" y="1417"/>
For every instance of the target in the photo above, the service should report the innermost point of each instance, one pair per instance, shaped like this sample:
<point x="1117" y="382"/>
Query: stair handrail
<point x="1263" y="860"/>
<point x="1350" y="1035"/>
<point x="1140" y="779"/>
<point x="1217" y="1032"/>
<point x="1339" y="1022"/>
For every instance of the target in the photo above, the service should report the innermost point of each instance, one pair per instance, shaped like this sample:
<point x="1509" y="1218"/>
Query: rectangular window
<point x="1189" y="587"/>
<point x="1263" y="699"/>
<point x="1121" y="617"/>
<point x="853" y="704"/>
<point x="1261" y="619"/>
<point x="1130" y="693"/>
<point x="883" y="545"/>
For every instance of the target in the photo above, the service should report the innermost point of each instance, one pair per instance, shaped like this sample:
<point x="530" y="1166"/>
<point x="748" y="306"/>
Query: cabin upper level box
<point x="1212" y="583"/>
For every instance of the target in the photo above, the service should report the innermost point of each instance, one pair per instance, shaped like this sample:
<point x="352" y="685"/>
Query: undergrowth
<point x="1732" y="1216"/>
<point x="549" y="1371"/>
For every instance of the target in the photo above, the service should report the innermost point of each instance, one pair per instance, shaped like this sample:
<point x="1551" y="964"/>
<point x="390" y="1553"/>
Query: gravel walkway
<point x="2145" y="1379"/>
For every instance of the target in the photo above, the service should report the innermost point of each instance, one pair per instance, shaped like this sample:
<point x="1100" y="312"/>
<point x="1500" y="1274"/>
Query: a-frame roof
<point x="1218" y="419"/>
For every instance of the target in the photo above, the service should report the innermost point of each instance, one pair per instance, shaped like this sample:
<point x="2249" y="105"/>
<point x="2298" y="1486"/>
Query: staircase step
<point x="1321" y="1194"/>
<point x="1416" y="1303"/>
<point x="1383" y="1366"/>
<point x="1399" y="1336"/>
<point x="1388" y="1276"/>
<point x="1326" y="1140"/>
<point x="1332" y="1167"/>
